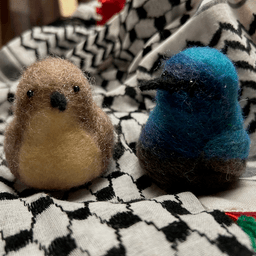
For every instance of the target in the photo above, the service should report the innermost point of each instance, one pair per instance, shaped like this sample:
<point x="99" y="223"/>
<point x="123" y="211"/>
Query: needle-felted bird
<point x="59" y="138"/>
<point x="194" y="137"/>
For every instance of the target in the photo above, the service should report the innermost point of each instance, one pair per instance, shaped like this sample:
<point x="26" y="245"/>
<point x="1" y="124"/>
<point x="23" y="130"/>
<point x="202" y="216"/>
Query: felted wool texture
<point x="197" y="117"/>
<point x="201" y="176"/>
<point x="59" y="138"/>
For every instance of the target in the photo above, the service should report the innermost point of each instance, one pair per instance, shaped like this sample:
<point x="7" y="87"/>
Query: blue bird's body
<point x="197" y="117"/>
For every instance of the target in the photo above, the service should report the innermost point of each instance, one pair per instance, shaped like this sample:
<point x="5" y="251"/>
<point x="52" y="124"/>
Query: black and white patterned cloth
<point x="123" y="212"/>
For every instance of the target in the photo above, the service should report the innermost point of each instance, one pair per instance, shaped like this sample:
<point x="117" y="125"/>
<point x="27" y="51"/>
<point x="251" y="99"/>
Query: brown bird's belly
<point x="56" y="153"/>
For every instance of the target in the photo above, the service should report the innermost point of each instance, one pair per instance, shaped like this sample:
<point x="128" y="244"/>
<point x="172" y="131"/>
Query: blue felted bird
<point x="194" y="138"/>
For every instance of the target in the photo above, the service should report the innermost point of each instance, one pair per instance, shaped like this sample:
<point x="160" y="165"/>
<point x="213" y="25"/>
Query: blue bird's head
<point x="203" y="70"/>
<point x="197" y="81"/>
<point x="202" y="73"/>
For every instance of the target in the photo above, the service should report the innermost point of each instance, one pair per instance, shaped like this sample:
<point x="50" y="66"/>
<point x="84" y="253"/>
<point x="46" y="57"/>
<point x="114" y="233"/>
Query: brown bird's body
<point x="59" y="138"/>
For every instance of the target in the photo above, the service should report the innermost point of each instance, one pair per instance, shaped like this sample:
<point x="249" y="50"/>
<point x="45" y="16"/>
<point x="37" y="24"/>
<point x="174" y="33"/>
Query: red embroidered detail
<point x="235" y="215"/>
<point x="108" y="9"/>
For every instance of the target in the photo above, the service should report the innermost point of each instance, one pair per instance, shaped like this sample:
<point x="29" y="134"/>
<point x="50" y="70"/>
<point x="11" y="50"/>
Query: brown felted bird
<point x="59" y="138"/>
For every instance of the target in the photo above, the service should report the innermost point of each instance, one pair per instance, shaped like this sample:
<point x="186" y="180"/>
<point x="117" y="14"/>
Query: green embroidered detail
<point x="248" y="224"/>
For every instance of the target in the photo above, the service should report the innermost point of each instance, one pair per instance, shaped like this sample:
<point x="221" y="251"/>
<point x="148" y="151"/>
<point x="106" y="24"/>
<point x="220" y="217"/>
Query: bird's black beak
<point x="159" y="84"/>
<point x="59" y="101"/>
<point x="164" y="82"/>
<point x="172" y="85"/>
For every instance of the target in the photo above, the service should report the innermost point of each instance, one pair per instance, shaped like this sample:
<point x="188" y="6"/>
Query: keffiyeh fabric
<point x="123" y="212"/>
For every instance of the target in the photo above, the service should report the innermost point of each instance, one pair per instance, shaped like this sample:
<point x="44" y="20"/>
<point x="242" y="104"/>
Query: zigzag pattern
<point x="217" y="37"/>
<point x="87" y="56"/>
<point x="232" y="44"/>
<point x="24" y="43"/>
<point x="58" y="41"/>
<point x="130" y="41"/>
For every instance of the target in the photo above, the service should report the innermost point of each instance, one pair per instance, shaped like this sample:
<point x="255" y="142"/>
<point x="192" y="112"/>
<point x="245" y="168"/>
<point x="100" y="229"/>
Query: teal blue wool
<point x="206" y="122"/>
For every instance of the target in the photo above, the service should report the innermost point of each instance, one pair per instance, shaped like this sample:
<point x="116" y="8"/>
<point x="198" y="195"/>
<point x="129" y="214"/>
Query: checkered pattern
<point x="123" y="212"/>
<point x="166" y="225"/>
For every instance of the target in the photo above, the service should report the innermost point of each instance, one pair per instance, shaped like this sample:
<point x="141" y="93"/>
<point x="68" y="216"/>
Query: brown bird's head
<point x="54" y="84"/>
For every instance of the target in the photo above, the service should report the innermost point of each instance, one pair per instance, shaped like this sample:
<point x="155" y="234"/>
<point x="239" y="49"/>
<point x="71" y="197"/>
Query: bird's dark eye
<point x="30" y="93"/>
<point x="165" y="73"/>
<point x="76" y="88"/>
